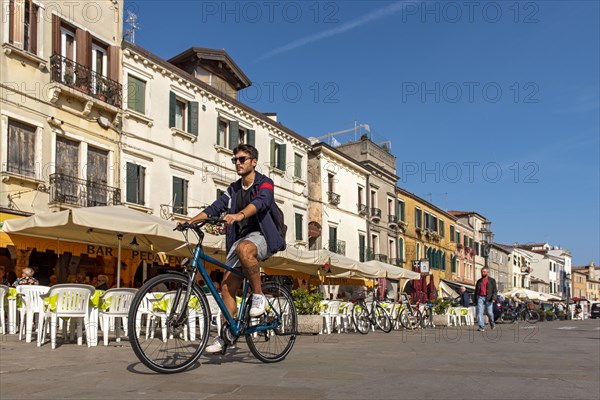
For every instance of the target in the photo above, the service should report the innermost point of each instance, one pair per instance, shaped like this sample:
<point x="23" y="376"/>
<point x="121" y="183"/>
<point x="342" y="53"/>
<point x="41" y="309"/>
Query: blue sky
<point x="490" y="106"/>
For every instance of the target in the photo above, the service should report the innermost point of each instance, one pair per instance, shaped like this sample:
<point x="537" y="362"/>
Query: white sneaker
<point x="259" y="305"/>
<point x="216" y="347"/>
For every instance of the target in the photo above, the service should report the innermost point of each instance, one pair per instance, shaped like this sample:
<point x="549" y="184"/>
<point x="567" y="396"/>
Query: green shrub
<point x="307" y="301"/>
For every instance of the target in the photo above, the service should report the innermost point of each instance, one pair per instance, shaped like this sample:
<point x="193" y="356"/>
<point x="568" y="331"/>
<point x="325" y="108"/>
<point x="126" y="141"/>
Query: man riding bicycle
<point x="248" y="203"/>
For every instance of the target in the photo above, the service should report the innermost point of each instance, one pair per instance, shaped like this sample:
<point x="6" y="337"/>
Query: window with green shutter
<point x="251" y="137"/>
<point x="136" y="94"/>
<point x="193" y="114"/>
<point x="221" y="132"/>
<point x="172" y="109"/>
<point x="299" y="225"/>
<point x="180" y="190"/>
<point x="471" y="242"/>
<point x="297" y="165"/>
<point x="135" y="183"/>
<point x="401" y="210"/>
<point x="234" y="134"/>
<point x="281" y="157"/>
<point x="452" y="234"/>
<point x="457" y="237"/>
<point x="361" y="248"/>
<point x="401" y="249"/>
<point x="453" y="264"/>
<point x="442" y="228"/>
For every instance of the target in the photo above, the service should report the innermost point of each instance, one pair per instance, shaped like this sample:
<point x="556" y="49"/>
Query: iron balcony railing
<point x="362" y="209"/>
<point x="375" y="213"/>
<point x="337" y="246"/>
<point x="85" y="80"/>
<point x="333" y="198"/>
<point x="80" y="192"/>
<point x="381" y="257"/>
<point x="393" y="219"/>
<point x="396" y="261"/>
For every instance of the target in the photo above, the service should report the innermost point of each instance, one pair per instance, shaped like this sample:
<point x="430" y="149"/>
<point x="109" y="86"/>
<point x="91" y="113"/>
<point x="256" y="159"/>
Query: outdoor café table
<point x="14" y="301"/>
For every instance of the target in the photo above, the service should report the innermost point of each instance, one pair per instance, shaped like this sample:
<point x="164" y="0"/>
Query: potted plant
<point x="550" y="315"/>
<point x="440" y="308"/>
<point x="308" y="307"/>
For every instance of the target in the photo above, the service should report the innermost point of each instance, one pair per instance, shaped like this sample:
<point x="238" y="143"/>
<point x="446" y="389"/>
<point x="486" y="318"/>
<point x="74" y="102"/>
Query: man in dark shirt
<point x="252" y="235"/>
<point x="485" y="293"/>
<point x="465" y="298"/>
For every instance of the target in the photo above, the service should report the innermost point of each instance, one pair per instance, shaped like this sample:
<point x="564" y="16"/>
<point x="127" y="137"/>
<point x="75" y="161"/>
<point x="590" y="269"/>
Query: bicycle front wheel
<point x="271" y="336"/>
<point x="165" y="333"/>
<point x="360" y="315"/>
<point x="383" y="319"/>
<point x="427" y="316"/>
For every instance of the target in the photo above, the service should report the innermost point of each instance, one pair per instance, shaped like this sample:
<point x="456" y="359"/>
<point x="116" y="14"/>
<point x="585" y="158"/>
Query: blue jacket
<point x="263" y="200"/>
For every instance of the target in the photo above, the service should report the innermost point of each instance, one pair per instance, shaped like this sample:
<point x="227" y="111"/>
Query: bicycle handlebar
<point x="195" y="226"/>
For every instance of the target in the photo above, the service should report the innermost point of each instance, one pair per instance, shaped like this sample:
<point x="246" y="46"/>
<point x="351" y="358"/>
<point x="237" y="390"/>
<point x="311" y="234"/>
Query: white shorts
<point x="262" y="250"/>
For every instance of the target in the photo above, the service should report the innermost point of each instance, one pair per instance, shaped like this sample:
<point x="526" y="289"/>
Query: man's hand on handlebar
<point x="231" y="219"/>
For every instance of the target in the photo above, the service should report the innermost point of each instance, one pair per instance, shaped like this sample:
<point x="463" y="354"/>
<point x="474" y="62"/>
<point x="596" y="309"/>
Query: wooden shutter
<point x="113" y="63"/>
<point x="273" y="144"/>
<point x="21" y="149"/>
<point x="131" y="183"/>
<point x="298" y="224"/>
<point x="172" y="107"/>
<point x="18" y="22"/>
<point x="297" y="165"/>
<point x="218" y="132"/>
<point x="136" y="94"/>
<point x="234" y="134"/>
<point x="193" y="117"/>
<point x="251" y="137"/>
<point x="361" y="248"/>
<point x="281" y="157"/>
<point x="33" y="27"/>
<point x="11" y="20"/>
<point x="401" y="249"/>
<point x="81" y="56"/>
<point x="55" y="34"/>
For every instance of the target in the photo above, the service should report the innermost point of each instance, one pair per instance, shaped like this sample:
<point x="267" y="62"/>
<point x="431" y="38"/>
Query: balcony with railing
<point x="88" y="83"/>
<point x="393" y="221"/>
<point x="337" y="246"/>
<point x="83" y="193"/>
<point x="381" y="257"/>
<point x="333" y="198"/>
<point x="375" y="214"/>
<point x="362" y="209"/>
<point x="397" y="261"/>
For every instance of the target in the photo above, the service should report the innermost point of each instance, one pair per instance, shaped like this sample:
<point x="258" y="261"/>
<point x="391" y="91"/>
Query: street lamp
<point x="488" y="239"/>
<point x="567" y="293"/>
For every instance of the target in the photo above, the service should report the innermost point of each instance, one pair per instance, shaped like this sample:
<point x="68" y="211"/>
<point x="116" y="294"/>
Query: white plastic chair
<point x="346" y="316"/>
<point x="463" y="313"/>
<point x="3" y="294"/>
<point x="32" y="303"/>
<point x="215" y="312"/>
<point x="452" y="317"/>
<point x="144" y="310"/>
<point x="72" y="302"/>
<point x="119" y="301"/>
<point x="331" y="315"/>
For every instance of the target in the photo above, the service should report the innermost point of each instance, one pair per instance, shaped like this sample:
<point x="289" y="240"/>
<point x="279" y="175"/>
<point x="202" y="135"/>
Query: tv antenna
<point x="132" y="20"/>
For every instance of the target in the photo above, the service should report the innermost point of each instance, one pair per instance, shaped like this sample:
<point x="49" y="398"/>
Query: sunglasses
<point x="241" y="159"/>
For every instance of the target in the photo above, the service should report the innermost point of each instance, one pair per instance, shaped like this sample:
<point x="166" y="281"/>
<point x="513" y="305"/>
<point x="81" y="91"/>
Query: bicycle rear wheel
<point x="383" y="319"/>
<point x="273" y="344"/>
<point x="167" y="335"/>
<point x="360" y="315"/>
<point x="427" y="316"/>
<point x="410" y="320"/>
<point x="532" y="316"/>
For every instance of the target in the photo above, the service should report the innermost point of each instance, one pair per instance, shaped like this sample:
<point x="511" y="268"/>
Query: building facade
<point x="60" y="117"/>
<point x="181" y="124"/>
<point x="428" y="234"/>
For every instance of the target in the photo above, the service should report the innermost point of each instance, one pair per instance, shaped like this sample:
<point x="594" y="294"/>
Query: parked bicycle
<point x="410" y="316"/>
<point x="169" y="318"/>
<point x="365" y="316"/>
<point x="521" y="312"/>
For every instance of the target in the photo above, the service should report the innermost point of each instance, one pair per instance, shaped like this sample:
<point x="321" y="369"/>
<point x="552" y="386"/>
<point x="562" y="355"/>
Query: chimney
<point x="591" y="269"/>
<point x="271" y="115"/>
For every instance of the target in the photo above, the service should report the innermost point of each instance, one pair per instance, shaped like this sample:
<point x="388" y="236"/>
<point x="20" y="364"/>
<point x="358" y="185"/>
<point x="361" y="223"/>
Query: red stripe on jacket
<point x="266" y="185"/>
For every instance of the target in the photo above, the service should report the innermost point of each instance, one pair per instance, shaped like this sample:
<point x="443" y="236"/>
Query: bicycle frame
<point x="235" y="325"/>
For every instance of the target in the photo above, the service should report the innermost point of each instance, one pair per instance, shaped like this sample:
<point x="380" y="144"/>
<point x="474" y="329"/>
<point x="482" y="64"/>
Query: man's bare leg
<point x="229" y="287"/>
<point x="247" y="253"/>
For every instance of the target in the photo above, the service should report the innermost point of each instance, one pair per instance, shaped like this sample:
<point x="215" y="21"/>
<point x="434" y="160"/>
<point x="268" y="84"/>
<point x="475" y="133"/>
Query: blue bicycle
<point x="169" y="319"/>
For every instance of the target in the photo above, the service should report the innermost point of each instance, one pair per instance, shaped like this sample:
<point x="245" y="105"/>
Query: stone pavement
<point x="549" y="360"/>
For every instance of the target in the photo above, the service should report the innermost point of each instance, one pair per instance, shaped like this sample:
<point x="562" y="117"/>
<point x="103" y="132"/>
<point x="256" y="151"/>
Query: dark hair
<point x="247" y="148"/>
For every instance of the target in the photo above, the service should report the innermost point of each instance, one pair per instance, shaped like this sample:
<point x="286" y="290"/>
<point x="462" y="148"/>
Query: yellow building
<point x="60" y="112"/>
<point x="425" y="235"/>
<point x="579" y="282"/>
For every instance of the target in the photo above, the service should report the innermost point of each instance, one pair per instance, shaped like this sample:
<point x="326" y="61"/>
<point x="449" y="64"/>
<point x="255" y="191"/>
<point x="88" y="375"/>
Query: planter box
<point x="310" y="324"/>
<point x="440" y="320"/>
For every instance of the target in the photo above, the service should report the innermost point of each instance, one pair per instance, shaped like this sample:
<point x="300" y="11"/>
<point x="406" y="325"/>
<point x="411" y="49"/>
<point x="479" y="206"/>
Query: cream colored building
<point x="337" y="207"/>
<point x="180" y="126"/>
<point x="60" y="104"/>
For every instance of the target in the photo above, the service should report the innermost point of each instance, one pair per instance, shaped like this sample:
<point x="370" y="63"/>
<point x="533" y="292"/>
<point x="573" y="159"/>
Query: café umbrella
<point x="107" y="226"/>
